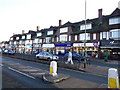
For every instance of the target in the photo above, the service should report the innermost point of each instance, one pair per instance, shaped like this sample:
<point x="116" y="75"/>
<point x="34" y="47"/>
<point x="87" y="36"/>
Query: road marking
<point x="21" y="73"/>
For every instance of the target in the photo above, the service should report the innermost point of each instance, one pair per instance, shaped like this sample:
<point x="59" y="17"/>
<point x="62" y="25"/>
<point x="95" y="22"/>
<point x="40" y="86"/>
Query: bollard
<point x="113" y="79"/>
<point x="53" y="68"/>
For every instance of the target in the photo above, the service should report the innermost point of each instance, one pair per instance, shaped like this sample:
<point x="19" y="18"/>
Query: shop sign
<point x="87" y="44"/>
<point x="63" y="45"/>
<point x="36" y="45"/>
<point x="48" y="45"/>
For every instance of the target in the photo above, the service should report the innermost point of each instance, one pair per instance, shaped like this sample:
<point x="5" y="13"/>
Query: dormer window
<point x="113" y="21"/>
<point x="64" y="30"/>
<point x="50" y="33"/>
<point x="39" y="34"/>
<point x="29" y="36"/>
<point x="17" y="38"/>
<point x="23" y="37"/>
<point x="11" y="38"/>
<point x="87" y="26"/>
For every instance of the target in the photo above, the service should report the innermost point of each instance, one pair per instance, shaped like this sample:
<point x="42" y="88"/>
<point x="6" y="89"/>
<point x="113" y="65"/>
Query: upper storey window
<point x="50" y="33"/>
<point x="64" y="30"/>
<point x="113" y="21"/>
<point x="87" y="26"/>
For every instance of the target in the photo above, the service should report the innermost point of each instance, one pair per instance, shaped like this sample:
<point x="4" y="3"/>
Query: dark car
<point x="11" y="52"/>
<point x="75" y="56"/>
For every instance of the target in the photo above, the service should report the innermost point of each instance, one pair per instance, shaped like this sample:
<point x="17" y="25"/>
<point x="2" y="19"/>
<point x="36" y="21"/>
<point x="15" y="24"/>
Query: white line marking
<point x="21" y="73"/>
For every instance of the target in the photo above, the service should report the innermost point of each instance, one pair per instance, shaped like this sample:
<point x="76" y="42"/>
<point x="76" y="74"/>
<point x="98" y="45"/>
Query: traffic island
<point x="55" y="79"/>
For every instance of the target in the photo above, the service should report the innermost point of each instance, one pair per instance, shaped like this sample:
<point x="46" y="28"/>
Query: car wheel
<point x="37" y="57"/>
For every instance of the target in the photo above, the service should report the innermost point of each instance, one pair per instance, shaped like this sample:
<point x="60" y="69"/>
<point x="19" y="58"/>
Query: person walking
<point x="69" y="58"/>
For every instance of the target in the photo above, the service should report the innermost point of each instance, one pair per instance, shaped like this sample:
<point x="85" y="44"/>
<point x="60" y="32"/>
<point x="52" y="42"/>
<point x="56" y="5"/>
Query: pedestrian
<point x="69" y="58"/>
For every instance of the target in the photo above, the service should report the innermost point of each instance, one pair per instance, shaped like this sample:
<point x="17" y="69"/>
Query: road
<point x="26" y="73"/>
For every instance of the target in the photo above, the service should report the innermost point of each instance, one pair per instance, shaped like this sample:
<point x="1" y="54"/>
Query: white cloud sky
<point x="18" y="15"/>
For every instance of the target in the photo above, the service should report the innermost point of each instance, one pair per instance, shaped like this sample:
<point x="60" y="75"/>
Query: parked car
<point x="75" y="56"/>
<point x="8" y="51"/>
<point x="11" y="52"/>
<point x="46" y="56"/>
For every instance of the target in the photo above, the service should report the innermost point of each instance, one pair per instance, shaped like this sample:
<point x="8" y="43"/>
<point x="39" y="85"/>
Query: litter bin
<point x="106" y="58"/>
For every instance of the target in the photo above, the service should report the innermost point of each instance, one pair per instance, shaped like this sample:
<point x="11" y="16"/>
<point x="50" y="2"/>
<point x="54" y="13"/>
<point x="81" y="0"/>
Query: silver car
<point x="46" y="56"/>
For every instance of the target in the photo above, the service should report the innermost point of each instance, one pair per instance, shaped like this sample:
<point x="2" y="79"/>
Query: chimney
<point x="100" y="15"/>
<point x="38" y="28"/>
<point x="13" y="33"/>
<point x="60" y="22"/>
<point x="23" y="31"/>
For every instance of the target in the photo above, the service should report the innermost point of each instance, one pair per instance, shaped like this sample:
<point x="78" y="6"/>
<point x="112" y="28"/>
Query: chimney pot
<point x="23" y="31"/>
<point x="38" y="28"/>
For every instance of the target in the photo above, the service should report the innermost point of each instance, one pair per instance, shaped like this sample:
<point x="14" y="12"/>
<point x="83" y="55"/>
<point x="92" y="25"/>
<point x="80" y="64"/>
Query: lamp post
<point x="85" y="39"/>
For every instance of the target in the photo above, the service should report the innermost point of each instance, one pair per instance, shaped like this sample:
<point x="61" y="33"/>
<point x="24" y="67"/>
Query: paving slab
<point x="73" y="82"/>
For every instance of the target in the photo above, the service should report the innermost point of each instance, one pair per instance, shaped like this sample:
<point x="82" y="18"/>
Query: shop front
<point x="91" y="48"/>
<point x="48" y="48"/>
<point x="61" y="49"/>
<point x="28" y="49"/>
<point x="21" y="48"/>
<point x="37" y="48"/>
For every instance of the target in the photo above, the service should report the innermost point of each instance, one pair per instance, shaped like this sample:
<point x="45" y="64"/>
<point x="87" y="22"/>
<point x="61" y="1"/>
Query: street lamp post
<point x="85" y="39"/>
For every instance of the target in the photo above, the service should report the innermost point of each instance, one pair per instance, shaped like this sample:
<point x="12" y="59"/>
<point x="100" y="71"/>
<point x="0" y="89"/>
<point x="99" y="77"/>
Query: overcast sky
<point x="18" y="15"/>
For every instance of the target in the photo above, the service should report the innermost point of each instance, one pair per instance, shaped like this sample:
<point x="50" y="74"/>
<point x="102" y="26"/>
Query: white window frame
<point x="23" y="37"/>
<point x="49" y="32"/>
<point x="69" y="37"/>
<point x="48" y="39"/>
<point x="63" y="37"/>
<point x="82" y="36"/>
<point x="88" y="26"/>
<point x="17" y="38"/>
<point x="76" y="37"/>
<point x="101" y="35"/>
<point x="64" y="30"/>
<point x="115" y="33"/>
<point x="104" y="34"/>
<point x="94" y="36"/>
<point x="39" y="34"/>
<point x="29" y="36"/>
<point x="40" y="41"/>
<point x="113" y="21"/>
